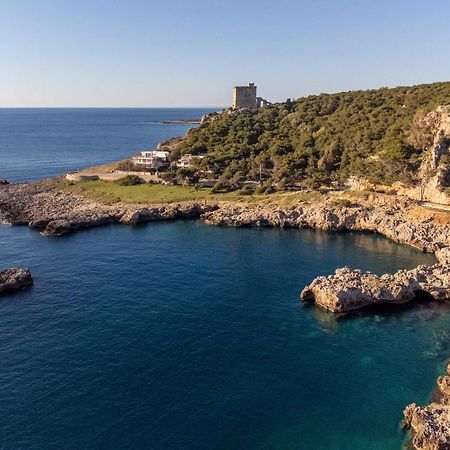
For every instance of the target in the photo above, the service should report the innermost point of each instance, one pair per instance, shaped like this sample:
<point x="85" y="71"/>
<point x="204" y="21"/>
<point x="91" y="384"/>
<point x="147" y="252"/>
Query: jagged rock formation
<point x="434" y="171"/>
<point x="14" y="279"/>
<point x="53" y="211"/>
<point x="348" y="289"/>
<point x="390" y="219"/>
<point x="436" y="126"/>
<point x="431" y="424"/>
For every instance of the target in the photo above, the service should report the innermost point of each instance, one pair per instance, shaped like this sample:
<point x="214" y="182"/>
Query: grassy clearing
<point x="110" y="192"/>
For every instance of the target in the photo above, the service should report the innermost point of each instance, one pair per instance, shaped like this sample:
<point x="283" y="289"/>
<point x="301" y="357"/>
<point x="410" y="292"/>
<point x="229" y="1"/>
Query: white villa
<point x="150" y="159"/>
<point x="187" y="160"/>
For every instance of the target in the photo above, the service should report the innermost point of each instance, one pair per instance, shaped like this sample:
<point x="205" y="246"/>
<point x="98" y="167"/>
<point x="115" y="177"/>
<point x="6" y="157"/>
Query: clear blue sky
<point x="191" y="52"/>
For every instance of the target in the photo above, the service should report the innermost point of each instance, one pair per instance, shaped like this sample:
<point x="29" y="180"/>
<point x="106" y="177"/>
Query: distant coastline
<point x="181" y="121"/>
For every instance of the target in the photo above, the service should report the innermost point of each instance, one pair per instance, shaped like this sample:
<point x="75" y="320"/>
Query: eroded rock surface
<point x="431" y="424"/>
<point x="14" y="279"/>
<point x="387" y="218"/>
<point x="351" y="289"/>
<point x="54" y="211"/>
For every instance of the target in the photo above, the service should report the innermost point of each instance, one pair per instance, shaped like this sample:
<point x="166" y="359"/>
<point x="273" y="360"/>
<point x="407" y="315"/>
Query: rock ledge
<point x="348" y="289"/>
<point x="431" y="424"/>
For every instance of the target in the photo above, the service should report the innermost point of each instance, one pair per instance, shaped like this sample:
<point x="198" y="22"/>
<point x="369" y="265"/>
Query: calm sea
<point x="184" y="336"/>
<point x="37" y="143"/>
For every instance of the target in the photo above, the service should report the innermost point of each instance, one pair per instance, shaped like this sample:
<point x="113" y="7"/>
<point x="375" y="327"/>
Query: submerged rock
<point x="14" y="279"/>
<point x="431" y="424"/>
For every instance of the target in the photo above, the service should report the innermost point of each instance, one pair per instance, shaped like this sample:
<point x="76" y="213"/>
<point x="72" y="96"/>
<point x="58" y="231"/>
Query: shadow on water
<point x="424" y="305"/>
<point x="412" y="315"/>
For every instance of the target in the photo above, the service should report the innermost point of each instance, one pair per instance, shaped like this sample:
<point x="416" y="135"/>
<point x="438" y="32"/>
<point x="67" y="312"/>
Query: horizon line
<point x="113" y="107"/>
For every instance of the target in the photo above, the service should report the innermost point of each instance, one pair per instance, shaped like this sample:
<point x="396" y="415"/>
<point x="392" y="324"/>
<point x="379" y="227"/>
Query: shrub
<point x="130" y="180"/>
<point x="220" y="186"/>
<point x="342" y="203"/>
<point x="246" y="190"/>
<point x="129" y="166"/>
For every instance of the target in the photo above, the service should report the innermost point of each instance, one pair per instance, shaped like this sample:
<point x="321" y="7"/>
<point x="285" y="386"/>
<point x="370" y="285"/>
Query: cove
<point x="181" y="335"/>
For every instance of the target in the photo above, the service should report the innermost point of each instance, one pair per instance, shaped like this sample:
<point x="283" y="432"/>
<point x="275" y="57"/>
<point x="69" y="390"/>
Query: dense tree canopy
<point x="320" y="138"/>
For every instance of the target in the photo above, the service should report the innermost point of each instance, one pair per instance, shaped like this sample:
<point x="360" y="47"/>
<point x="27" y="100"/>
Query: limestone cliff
<point x="434" y="172"/>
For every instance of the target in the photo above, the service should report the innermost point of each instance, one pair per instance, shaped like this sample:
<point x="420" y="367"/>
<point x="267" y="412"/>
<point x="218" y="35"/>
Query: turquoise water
<point x="184" y="336"/>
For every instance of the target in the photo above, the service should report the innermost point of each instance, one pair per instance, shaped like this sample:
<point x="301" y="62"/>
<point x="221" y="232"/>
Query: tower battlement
<point x="244" y="96"/>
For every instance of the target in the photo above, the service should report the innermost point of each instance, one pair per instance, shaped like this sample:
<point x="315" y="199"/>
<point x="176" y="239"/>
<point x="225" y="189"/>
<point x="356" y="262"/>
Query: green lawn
<point x="110" y="192"/>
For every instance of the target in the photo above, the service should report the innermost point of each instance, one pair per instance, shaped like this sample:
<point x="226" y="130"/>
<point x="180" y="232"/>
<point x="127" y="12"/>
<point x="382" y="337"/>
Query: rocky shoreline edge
<point x="45" y="206"/>
<point x="53" y="211"/>
<point x="431" y="424"/>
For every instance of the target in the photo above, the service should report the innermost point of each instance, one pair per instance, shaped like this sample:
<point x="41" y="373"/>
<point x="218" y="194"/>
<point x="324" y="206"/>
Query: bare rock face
<point x="443" y="255"/>
<point x="438" y="122"/>
<point x="14" y="279"/>
<point x="431" y="424"/>
<point x="348" y="290"/>
<point x="434" y="171"/>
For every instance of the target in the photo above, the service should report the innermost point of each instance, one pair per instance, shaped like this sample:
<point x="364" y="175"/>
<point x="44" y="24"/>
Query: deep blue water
<point x="184" y="336"/>
<point x="180" y="335"/>
<point x="38" y="143"/>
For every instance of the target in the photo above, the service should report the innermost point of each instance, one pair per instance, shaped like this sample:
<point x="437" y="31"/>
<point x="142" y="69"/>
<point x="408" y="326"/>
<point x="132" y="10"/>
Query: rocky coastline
<point x="54" y="211"/>
<point x="431" y="424"/>
<point x="14" y="279"/>
<point x="349" y="289"/>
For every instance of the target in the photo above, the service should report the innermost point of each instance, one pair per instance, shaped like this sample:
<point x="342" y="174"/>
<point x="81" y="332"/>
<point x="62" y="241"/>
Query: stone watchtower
<point x="245" y="96"/>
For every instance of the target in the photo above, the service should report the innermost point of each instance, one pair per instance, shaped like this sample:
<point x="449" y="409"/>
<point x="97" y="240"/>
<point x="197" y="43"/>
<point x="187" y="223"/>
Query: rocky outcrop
<point x="3" y="182"/>
<point x="434" y="171"/>
<point x="348" y="290"/>
<point x="53" y="211"/>
<point x="210" y="117"/>
<point x="436" y="127"/>
<point x="390" y="219"/>
<point x="431" y="424"/>
<point x="14" y="279"/>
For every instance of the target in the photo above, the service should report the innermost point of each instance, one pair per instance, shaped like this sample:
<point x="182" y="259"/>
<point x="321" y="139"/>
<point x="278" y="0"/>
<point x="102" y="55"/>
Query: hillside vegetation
<point x="318" y="139"/>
